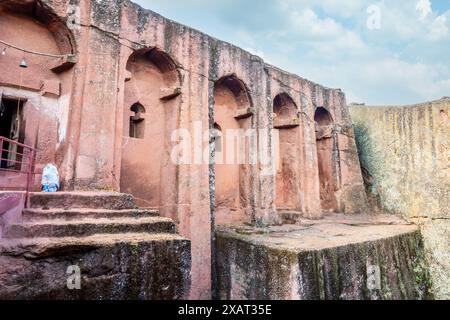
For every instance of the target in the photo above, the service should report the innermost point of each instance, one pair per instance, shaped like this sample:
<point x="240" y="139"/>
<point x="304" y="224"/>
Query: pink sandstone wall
<point x="85" y="128"/>
<point x="44" y="95"/>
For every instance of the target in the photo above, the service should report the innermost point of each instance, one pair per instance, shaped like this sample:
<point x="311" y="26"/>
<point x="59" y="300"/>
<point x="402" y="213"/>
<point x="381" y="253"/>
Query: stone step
<point x="39" y="247"/>
<point x="78" y="214"/>
<point x="126" y="266"/>
<point x="88" y="227"/>
<point x="92" y="200"/>
<point x="290" y="217"/>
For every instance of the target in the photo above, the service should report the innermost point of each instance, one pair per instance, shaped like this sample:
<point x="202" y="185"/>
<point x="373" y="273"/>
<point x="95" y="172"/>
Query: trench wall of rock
<point x="404" y="153"/>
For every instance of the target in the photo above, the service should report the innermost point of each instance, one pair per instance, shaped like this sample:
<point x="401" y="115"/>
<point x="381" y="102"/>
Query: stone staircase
<point x="289" y="216"/>
<point x="123" y="252"/>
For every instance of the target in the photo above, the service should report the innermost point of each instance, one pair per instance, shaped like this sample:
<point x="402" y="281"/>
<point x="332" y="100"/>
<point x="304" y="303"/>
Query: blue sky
<point x="403" y="58"/>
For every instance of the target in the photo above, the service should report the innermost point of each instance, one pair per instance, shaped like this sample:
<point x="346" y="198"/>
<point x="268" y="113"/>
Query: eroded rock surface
<point x="121" y="253"/>
<point x="323" y="259"/>
<point x="404" y="156"/>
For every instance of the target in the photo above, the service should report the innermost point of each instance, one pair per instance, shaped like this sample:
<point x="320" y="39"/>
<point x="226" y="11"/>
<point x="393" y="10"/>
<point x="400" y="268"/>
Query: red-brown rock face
<point x="139" y="77"/>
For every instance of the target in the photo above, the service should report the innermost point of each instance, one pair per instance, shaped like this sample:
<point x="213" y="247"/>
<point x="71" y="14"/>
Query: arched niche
<point x="151" y="97"/>
<point x="325" y="142"/>
<point x="287" y="158"/>
<point x="285" y="112"/>
<point x="32" y="26"/>
<point x="232" y="118"/>
<point x="160" y="62"/>
<point x="323" y="118"/>
<point x="37" y="54"/>
<point x="46" y="17"/>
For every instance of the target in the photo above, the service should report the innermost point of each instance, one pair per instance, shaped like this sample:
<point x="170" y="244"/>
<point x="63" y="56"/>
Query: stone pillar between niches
<point x="94" y="167"/>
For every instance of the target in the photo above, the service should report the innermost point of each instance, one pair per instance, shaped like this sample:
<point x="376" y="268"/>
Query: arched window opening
<point x="217" y="137"/>
<point x="137" y="122"/>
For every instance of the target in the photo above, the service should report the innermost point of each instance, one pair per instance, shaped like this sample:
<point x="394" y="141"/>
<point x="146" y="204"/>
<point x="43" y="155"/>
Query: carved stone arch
<point x="233" y="115"/>
<point x="153" y="80"/>
<point x="285" y="112"/>
<point x="327" y="158"/>
<point x="323" y="117"/>
<point x="39" y="53"/>
<point x="166" y="65"/>
<point x="286" y="123"/>
<point x="137" y="107"/>
<point x="58" y="26"/>
<point x="241" y="94"/>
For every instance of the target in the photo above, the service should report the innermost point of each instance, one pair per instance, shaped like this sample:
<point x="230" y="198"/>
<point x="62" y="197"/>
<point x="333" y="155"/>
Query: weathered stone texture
<point x="404" y="153"/>
<point x="322" y="260"/>
<point x="125" y="54"/>
<point x="123" y="267"/>
<point x="121" y="252"/>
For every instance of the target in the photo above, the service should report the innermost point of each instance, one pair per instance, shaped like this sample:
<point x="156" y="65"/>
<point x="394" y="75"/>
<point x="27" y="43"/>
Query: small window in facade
<point x="217" y="136"/>
<point x="137" y="122"/>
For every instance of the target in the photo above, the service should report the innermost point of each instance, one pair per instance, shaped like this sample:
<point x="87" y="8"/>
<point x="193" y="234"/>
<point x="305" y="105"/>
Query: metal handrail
<point x="16" y="153"/>
<point x="9" y="160"/>
<point x="25" y="160"/>
<point x="17" y="143"/>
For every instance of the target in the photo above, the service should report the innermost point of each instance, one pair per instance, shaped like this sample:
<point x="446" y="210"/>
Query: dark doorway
<point x="11" y="127"/>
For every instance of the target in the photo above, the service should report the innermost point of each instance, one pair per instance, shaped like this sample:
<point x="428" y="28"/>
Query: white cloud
<point x="344" y="9"/>
<point x="403" y="23"/>
<point x="311" y="26"/>
<point x="385" y="81"/>
<point x="424" y="8"/>
<point x="376" y="67"/>
<point x="323" y="35"/>
<point x="439" y="28"/>
<point x="328" y="42"/>
<point x="336" y="8"/>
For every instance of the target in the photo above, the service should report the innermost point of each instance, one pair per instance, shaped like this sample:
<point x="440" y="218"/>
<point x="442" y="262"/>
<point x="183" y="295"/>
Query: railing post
<point x="1" y="150"/>
<point x="29" y="175"/>
<point x="28" y="169"/>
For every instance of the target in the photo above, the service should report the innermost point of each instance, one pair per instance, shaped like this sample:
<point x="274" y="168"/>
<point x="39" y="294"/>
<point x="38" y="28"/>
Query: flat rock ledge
<point x="336" y="258"/>
<point x="113" y="266"/>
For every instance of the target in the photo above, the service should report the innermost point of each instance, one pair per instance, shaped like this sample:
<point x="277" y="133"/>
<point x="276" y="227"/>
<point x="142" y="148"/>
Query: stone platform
<point x="122" y="252"/>
<point x="332" y="258"/>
